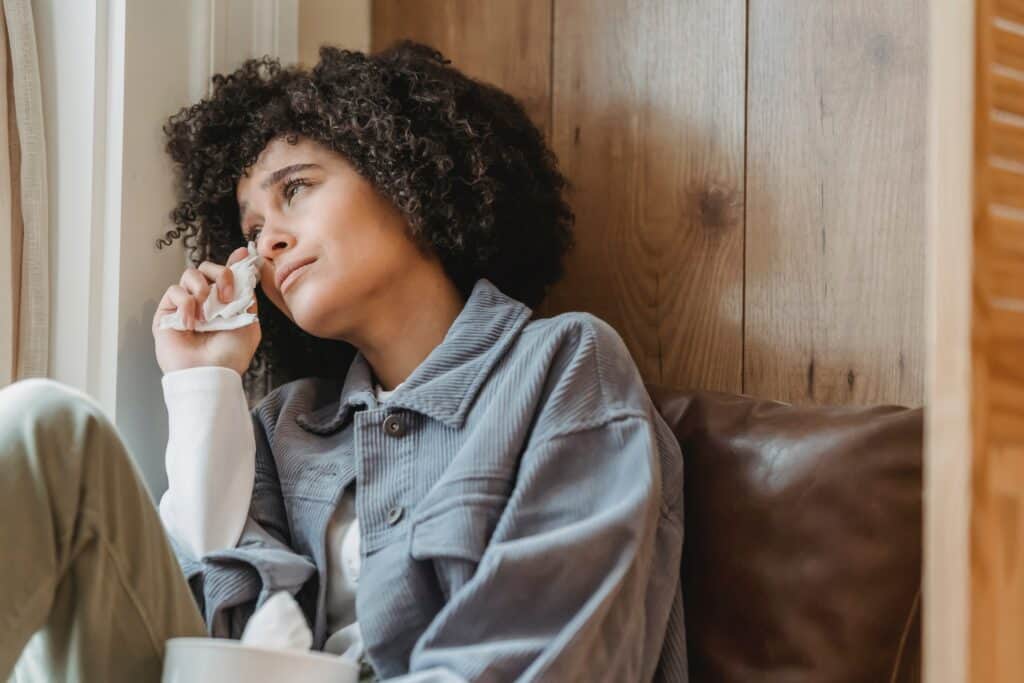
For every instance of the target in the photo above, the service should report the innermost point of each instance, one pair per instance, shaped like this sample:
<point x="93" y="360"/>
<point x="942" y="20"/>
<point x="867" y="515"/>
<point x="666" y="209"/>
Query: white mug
<point x="220" y="660"/>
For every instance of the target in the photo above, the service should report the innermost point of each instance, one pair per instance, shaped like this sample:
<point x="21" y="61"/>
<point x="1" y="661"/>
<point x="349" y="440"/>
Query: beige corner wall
<point x="344" y="23"/>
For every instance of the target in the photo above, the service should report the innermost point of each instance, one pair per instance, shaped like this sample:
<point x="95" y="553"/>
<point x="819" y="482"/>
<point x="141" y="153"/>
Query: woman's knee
<point x="43" y="398"/>
<point x="37" y="406"/>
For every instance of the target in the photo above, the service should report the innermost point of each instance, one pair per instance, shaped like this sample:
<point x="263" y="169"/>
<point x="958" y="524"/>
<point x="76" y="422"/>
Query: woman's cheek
<point x="267" y="284"/>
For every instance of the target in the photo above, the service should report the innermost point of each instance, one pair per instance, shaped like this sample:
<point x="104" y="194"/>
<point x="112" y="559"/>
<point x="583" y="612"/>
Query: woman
<point x="450" y="488"/>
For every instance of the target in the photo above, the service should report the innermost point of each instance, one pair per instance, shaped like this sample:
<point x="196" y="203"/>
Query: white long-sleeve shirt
<point x="210" y="461"/>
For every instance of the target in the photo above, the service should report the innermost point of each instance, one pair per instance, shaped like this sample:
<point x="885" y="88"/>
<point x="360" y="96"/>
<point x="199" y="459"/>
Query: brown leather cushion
<point x="802" y="556"/>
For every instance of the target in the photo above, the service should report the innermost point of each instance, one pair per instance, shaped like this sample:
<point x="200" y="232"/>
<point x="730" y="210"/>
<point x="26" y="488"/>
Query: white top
<point x="211" y="471"/>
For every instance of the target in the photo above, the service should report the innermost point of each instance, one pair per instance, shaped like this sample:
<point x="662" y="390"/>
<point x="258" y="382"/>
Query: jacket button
<point x="393" y="425"/>
<point x="395" y="515"/>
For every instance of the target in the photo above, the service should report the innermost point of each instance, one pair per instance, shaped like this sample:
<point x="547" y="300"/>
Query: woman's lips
<point x="292" y="276"/>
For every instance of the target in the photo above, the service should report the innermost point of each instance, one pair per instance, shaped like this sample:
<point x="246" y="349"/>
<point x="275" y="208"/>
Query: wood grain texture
<point x="997" y="484"/>
<point x="835" y="201"/>
<point x="648" y="124"/>
<point x="809" y="285"/>
<point x="504" y="43"/>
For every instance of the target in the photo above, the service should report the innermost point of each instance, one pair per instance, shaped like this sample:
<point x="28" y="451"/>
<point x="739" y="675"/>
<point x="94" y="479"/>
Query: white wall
<point x="112" y="71"/>
<point x="157" y="71"/>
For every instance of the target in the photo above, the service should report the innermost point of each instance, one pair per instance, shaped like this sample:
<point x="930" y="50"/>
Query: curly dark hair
<point x="458" y="157"/>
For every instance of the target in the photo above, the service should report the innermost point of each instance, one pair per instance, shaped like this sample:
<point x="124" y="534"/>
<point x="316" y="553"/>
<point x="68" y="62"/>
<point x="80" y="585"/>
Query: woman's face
<point x="318" y="219"/>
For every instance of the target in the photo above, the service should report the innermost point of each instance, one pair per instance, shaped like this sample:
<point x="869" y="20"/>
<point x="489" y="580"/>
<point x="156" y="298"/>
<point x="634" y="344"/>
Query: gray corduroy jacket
<point x="519" y="501"/>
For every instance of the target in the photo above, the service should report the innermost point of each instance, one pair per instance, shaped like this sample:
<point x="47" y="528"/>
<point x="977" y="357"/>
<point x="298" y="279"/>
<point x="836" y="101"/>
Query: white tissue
<point x="278" y="624"/>
<point x="346" y="642"/>
<point x="226" y="316"/>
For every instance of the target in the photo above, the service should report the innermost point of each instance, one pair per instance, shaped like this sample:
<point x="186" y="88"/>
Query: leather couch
<point x="802" y="554"/>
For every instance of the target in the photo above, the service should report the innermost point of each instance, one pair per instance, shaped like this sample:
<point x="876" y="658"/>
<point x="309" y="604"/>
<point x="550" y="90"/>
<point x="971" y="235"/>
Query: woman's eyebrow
<point x="276" y="176"/>
<point x="273" y="179"/>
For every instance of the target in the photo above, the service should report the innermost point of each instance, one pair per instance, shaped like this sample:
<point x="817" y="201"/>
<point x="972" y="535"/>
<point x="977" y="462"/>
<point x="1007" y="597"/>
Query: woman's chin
<point x="313" y="321"/>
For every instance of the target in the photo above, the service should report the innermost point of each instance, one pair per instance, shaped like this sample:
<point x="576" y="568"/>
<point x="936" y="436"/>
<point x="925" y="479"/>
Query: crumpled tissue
<point x="278" y="624"/>
<point x="231" y="315"/>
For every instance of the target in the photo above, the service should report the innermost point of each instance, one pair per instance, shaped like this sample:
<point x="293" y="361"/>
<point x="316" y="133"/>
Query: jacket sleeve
<point x="560" y="592"/>
<point x="230" y="583"/>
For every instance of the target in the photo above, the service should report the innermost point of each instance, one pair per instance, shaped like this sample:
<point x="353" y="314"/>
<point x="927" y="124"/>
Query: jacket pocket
<point x="453" y="535"/>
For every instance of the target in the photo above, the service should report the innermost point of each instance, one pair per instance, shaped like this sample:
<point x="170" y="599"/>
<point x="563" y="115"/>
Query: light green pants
<point x="84" y="563"/>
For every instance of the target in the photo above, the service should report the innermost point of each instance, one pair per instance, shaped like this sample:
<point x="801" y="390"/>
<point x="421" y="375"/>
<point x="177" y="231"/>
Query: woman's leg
<point x="83" y="556"/>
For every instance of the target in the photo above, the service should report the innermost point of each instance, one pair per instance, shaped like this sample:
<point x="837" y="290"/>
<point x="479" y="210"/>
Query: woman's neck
<point x="414" y="318"/>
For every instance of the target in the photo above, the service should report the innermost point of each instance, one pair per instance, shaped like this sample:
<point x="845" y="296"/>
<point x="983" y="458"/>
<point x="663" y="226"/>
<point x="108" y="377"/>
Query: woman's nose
<point x="274" y="242"/>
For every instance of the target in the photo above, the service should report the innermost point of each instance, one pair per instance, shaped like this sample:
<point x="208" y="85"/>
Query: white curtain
<point x="24" y="223"/>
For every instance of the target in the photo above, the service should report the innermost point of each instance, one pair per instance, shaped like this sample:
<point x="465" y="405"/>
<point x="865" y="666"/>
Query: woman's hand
<point x="180" y="349"/>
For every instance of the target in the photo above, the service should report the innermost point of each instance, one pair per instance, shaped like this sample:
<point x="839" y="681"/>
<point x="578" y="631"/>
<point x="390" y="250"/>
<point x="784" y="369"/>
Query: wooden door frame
<point x="947" y="465"/>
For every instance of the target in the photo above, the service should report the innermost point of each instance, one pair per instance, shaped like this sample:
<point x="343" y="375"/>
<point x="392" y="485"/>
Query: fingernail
<point x="229" y="292"/>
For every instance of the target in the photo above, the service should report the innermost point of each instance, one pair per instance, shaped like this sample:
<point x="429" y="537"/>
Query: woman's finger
<point x="177" y="298"/>
<point x="197" y="285"/>
<point x="224" y="278"/>
<point x="237" y="255"/>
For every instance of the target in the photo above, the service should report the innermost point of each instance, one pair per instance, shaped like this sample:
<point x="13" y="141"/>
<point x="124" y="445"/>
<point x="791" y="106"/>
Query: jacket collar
<point x="445" y="384"/>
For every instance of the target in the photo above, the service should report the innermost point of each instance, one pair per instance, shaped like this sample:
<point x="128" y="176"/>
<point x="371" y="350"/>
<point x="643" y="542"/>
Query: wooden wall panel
<point x="835" y="201"/>
<point x="997" y="481"/>
<point x="658" y="171"/>
<point x="648" y="123"/>
<point x="504" y="43"/>
<point x="749" y="183"/>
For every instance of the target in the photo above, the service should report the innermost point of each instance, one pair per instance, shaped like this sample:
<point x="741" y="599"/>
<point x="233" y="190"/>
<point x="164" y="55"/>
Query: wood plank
<point x="997" y="513"/>
<point x="648" y="124"/>
<point x="1006" y="424"/>
<point x="1006" y="475"/>
<point x="1006" y="419"/>
<point x="504" y="43"/>
<point x="1001" y="276"/>
<point x="1006" y="229"/>
<point x="1006" y="326"/>
<point x="1008" y="135"/>
<point x="1011" y="9"/>
<point x="997" y="600"/>
<point x="1008" y="93"/>
<point x="835" y="201"/>
<point x="1008" y="43"/>
<point x="983" y="588"/>
<point x="1004" y="184"/>
<point x="1004" y="338"/>
<point x="1000" y="557"/>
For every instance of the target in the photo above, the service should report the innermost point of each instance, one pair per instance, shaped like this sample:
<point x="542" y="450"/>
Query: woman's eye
<point x="252" y="235"/>
<point x="291" y="187"/>
<point x="288" y="190"/>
